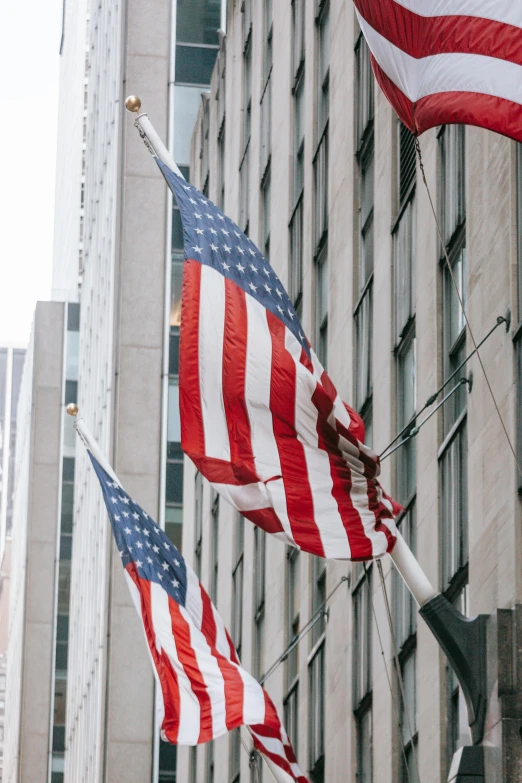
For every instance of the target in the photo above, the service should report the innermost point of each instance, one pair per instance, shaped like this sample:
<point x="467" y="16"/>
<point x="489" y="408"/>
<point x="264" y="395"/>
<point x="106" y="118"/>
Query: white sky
<point x="29" y="65"/>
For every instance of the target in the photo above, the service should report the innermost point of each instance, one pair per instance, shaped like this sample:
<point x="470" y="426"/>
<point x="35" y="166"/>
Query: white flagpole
<point x="90" y="442"/>
<point x="410" y="570"/>
<point x="147" y="130"/>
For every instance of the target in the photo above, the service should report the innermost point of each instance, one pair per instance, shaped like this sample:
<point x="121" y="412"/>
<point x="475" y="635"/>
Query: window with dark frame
<point x="214" y="572"/>
<point x="295" y="282"/>
<point x="244" y="168"/>
<point x="266" y="96"/>
<point x="292" y="588"/>
<point x="235" y="756"/>
<point x="266" y="203"/>
<point x="453" y="450"/>
<point x="316" y="671"/>
<point x="198" y="523"/>
<point x="363" y="311"/>
<point x="404" y="237"/>
<point x="259" y="602"/>
<point x="237" y="584"/>
<point x="362" y="674"/>
<point x="518" y="333"/>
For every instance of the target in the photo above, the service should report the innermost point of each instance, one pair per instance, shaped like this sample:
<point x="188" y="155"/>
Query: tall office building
<point x="304" y="152"/>
<point x="41" y="551"/>
<point x="164" y="52"/>
<point x="11" y="365"/>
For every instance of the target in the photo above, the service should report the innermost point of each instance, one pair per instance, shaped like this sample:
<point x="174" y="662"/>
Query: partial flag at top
<point x="260" y="417"/>
<point x="448" y="61"/>
<point x="204" y="690"/>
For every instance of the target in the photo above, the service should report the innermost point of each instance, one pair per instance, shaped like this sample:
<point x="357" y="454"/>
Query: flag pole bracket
<point x="463" y="641"/>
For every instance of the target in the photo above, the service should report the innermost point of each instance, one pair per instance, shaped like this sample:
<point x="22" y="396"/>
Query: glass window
<point x="210" y="762"/>
<point x="173" y="420"/>
<point x="365" y="89"/>
<point x="299" y="136"/>
<point x="194" y="64"/>
<point x="452" y="206"/>
<point x="406" y="406"/>
<point x="198" y="523"/>
<point x="407" y="162"/>
<point x="454" y="335"/>
<point x="167" y="762"/>
<point x="405" y="608"/>
<point x="298" y="34"/>
<point x="316" y="716"/>
<point x="518" y="335"/>
<point x="321" y="191"/>
<point x="363" y="349"/>
<point x="186" y="106"/>
<point x="322" y="306"/>
<point x="323" y="67"/>
<point x="318" y="596"/>
<point x="235" y="756"/>
<point x="175" y="313"/>
<point x="362" y="681"/>
<point x="291" y="715"/>
<point x="365" y="746"/>
<point x="259" y="600"/>
<point x="293" y="601"/>
<point x="404" y="277"/>
<point x="454" y="506"/>
<point x="237" y="585"/>
<point x="296" y="255"/>
<point x="194" y="764"/>
<point x="174" y="482"/>
<point x="215" y="550"/>
<point x="266" y="201"/>
<point x="197" y="21"/>
<point x="177" y="230"/>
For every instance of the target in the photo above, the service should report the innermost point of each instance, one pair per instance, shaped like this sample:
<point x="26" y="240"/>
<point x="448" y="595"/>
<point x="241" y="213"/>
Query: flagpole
<point x="90" y="441"/>
<point x="149" y="134"/>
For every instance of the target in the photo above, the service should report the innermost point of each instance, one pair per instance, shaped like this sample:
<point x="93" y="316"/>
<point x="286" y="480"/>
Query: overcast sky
<point x="29" y="66"/>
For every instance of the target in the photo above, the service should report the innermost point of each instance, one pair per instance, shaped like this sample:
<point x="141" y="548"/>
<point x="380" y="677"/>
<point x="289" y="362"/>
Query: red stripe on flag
<point x="426" y="36"/>
<point x="266" y="519"/>
<point x="299" y="500"/>
<point x="272" y="729"/>
<point x="192" y="432"/>
<point x="234" y="687"/>
<point x="187" y="657"/>
<point x="166" y="674"/>
<point x="360" y="544"/>
<point x="469" y="108"/>
<point x="234" y="371"/>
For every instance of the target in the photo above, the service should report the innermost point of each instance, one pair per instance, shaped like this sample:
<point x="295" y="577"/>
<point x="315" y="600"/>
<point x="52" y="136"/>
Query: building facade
<point x="299" y="146"/>
<point x="11" y="366"/>
<point x="41" y="551"/>
<point x="163" y="51"/>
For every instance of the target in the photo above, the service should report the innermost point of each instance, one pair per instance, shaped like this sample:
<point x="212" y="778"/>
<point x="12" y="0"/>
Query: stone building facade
<point x="299" y="146"/>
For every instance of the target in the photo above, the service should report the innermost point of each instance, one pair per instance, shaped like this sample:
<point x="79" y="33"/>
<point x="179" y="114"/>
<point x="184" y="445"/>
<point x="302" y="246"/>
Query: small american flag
<point x="260" y="418"/>
<point x="205" y="691"/>
<point x="448" y="61"/>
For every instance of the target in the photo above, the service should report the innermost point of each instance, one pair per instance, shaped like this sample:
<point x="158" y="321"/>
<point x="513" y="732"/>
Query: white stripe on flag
<point x="253" y="699"/>
<point x="193" y="600"/>
<point x="211" y="673"/>
<point x="444" y="72"/>
<point x="136" y="599"/>
<point x="506" y="11"/>
<point x="189" y="718"/>
<point x="211" y="333"/>
<point x="222" y="645"/>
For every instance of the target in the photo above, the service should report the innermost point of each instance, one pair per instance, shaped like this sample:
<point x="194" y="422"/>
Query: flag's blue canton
<point x="141" y="541"/>
<point x="215" y="240"/>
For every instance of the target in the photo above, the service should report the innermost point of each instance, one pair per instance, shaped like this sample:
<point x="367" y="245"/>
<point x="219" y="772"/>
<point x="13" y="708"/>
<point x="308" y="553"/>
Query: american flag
<point x="448" y="61"/>
<point x="260" y="418"/>
<point x="205" y="691"/>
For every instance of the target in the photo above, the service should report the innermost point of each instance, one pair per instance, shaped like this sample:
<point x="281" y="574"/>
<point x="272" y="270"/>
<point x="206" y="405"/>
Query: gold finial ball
<point x="72" y="409"/>
<point x="133" y="103"/>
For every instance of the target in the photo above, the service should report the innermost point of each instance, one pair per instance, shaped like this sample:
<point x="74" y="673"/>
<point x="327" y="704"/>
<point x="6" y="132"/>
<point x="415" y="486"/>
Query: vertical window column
<point x="363" y="311"/>
<point x="293" y="600"/>
<point x="295" y="282"/>
<point x="316" y="675"/>
<point x="237" y="584"/>
<point x="453" y="450"/>
<point x="198" y="523"/>
<point x="244" y="167"/>
<point x="259" y="602"/>
<point x="320" y="166"/>
<point x="518" y="334"/>
<point x="362" y="674"/>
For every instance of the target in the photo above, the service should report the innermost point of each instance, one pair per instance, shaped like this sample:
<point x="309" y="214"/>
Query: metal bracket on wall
<point x="463" y="640"/>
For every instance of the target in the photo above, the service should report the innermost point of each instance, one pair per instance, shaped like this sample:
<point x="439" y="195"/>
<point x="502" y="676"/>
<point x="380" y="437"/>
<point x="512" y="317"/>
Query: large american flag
<point x="260" y="418"/>
<point x="448" y="61"/>
<point x="205" y="691"/>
